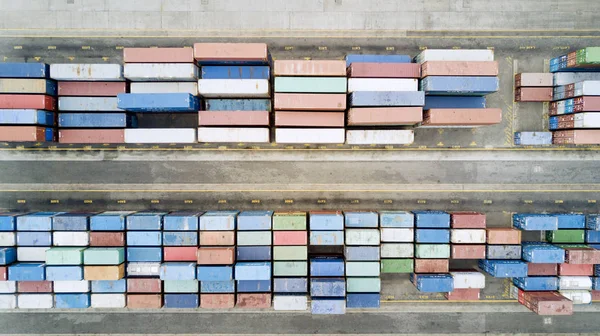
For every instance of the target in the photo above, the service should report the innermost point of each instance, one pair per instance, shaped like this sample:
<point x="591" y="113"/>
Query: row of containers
<point x="572" y="88"/>
<point x="221" y="93"/>
<point x="263" y="259"/>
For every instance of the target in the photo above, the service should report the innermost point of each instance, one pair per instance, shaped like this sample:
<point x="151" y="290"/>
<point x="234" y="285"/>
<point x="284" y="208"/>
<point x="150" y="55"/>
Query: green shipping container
<point x="290" y="252"/>
<point x="253" y="238"/>
<point x="362" y="268"/>
<point x="397" y="266"/>
<point x="432" y="251"/>
<point x="289" y="221"/>
<point x="589" y="55"/>
<point x="180" y="286"/>
<point x="290" y="268"/>
<point x="104" y="256"/>
<point x="311" y="84"/>
<point x="566" y="236"/>
<point x="64" y="255"/>
<point x="363" y="285"/>
<point x="572" y="246"/>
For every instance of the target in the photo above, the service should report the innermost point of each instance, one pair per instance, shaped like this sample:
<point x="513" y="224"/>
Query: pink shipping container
<point x="310" y="102"/>
<point x="91" y="136"/>
<point x="546" y="303"/>
<point x="586" y="103"/>
<point x="233" y="118"/>
<point x="463" y="294"/>
<point x="22" y="133"/>
<point x="144" y="300"/>
<point x="309" y="119"/>
<point x="575" y="269"/>
<point x="459" y="68"/>
<point x="158" y="55"/>
<point x="217" y="238"/>
<point x="384" y="70"/>
<point x="584" y="255"/>
<point x="542" y="269"/>
<point x="231" y="52"/>
<point x="533" y="94"/>
<point x="253" y="300"/>
<point x="34" y="286"/>
<point x="217" y="301"/>
<point x="290" y="238"/>
<point x="24" y="101"/>
<point x="180" y="253"/>
<point x="106" y="239"/>
<point x="468" y="251"/>
<point x="503" y="236"/>
<point x="462" y="117"/>
<point x="91" y="89"/>
<point x="144" y="285"/>
<point x="595" y="295"/>
<point x="3" y="273"/>
<point x="467" y="220"/>
<point x="576" y="137"/>
<point x="309" y="68"/>
<point x="432" y="265"/>
<point x="534" y="79"/>
<point x="216" y="255"/>
<point x="384" y="116"/>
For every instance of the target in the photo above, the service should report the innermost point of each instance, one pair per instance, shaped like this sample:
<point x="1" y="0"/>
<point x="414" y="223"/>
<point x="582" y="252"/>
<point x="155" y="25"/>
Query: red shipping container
<point x="106" y="239"/>
<point x="231" y="52"/>
<point x="459" y="68"/>
<point x="3" y="273"/>
<point x="310" y="101"/>
<point x="466" y="294"/>
<point x="542" y="269"/>
<point x="216" y="255"/>
<point x="22" y="133"/>
<point x="144" y="300"/>
<point x="432" y="265"/>
<point x="595" y="295"/>
<point x="574" y="255"/>
<point x="217" y="301"/>
<point x="310" y="119"/>
<point x="180" y="253"/>
<point x="467" y="220"/>
<point x="290" y="238"/>
<point x="468" y="251"/>
<point x="384" y="70"/>
<point x="34" y="286"/>
<point x="575" y="269"/>
<point x="548" y="303"/>
<point x="373" y="116"/>
<point x="309" y="68"/>
<point x="158" y="55"/>
<point x="533" y="94"/>
<point x="217" y="238"/>
<point x="144" y="285"/>
<point x="253" y="300"/>
<point x="462" y="117"/>
<point x="503" y="236"/>
<point x="91" y="89"/>
<point x="233" y="118"/>
<point x="24" y="101"/>
<point x="91" y="136"/>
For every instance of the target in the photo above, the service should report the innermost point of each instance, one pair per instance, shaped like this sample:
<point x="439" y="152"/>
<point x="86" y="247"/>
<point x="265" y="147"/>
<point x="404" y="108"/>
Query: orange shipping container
<point x="309" y="68"/>
<point x="468" y="251"/>
<point x="233" y="118"/>
<point x="105" y="239"/>
<point x="217" y="238"/>
<point x="91" y="136"/>
<point x="22" y="133"/>
<point x="24" y="101"/>
<point x="464" y="294"/>
<point x="91" y="89"/>
<point x="533" y="94"/>
<point x="144" y="301"/>
<point x="574" y="255"/>
<point x="374" y="116"/>
<point x="104" y="272"/>
<point x="384" y="70"/>
<point x="144" y="285"/>
<point x="503" y="236"/>
<point x="310" y="102"/>
<point x="217" y="301"/>
<point x="180" y="253"/>
<point x="462" y="117"/>
<point x="231" y="52"/>
<point x="459" y="68"/>
<point x="309" y="119"/>
<point x="158" y="55"/>
<point x="253" y="300"/>
<point x="34" y="286"/>
<point x="432" y="265"/>
<point x="216" y="255"/>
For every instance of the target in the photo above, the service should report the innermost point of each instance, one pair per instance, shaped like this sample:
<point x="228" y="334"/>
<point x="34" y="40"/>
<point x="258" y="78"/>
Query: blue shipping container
<point x="214" y="273"/>
<point x="144" y="254"/>
<point x="328" y="306"/>
<point x="546" y="253"/>
<point x="237" y="105"/>
<point x="8" y="255"/>
<point x="253" y="253"/>
<point x="356" y="58"/>
<point x="432" y="102"/>
<point x="330" y="238"/>
<point x="253" y="286"/>
<point x="361" y="219"/>
<point x="39" y="221"/>
<point x="96" y="120"/>
<point x="178" y="271"/>
<point x="254" y="220"/>
<point x="571" y="221"/>
<point x="363" y="300"/>
<point x="595" y="283"/>
<point x="504" y="268"/>
<point x="432" y="219"/>
<point x="27" y="272"/>
<point x="432" y="236"/>
<point x="537" y="283"/>
<point x="596" y="270"/>
<point x="401" y="219"/>
<point x="39" y="238"/>
<point x="24" y="70"/>
<point x="326" y="222"/>
<point x="235" y="72"/>
<point x="158" y="102"/>
<point x="387" y="98"/>
<point x="144" y="238"/>
<point x="592" y="236"/>
<point x="109" y="286"/>
<point x="109" y="221"/>
<point x="534" y="222"/>
<point x="217" y="286"/>
<point x="253" y="271"/>
<point x="71" y="222"/>
<point x="218" y="221"/>
<point x="180" y="300"/>
<point x="145" y="221"/>
<point x="67" y="301"/>
<point x="290" y="285"/>
<point x="181" y="238"/>
<point x="533" y="138"/>
<point x="64" y="273"/>
<point x="327" y="266"/>
<point x="592" y="222"/>
<point x="362" y="253"/>
<point x="459" y="85"/>
<point x="181" y="221"/>
<point x="8" y="221"/>
<point x="327" y="287"/>
<point x="433" y="283"/>
<point x="26" y="117"/>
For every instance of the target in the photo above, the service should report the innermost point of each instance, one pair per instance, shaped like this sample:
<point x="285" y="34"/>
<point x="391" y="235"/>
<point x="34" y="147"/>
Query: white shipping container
<point x="233" y="88"/>
<point x="362" y="237"/>
<point x="467" y="236"/>
<point x="253" y="238"/>
<point x="172" y="87"/>
<point x="108" y="300"/>
<point x="233" y="134"/>
<point x="587" y="120"/>
<point x="35" y="301"/>
<point x="309" y="135"/>
<point x="463" y="280"/>
<point x="587" y="88"/>
<point x="536" y="79"/>
<point x="397" y="250"/>
<point x="397" y="235"/>
<point x="564" y="78"/>
<point x="105" y="104"/>
<point x="561" y="107"/>
<point x="455" y="55"/>
<point x="8" y="238"/>
<point x="81" y="286"/>
<point x="173" y="72"/>
<point x="160" y="135"/>
<point x="574" y="282"/>
<point x="290" y="302"/>
<point x="87" y="72"/>
<point x="8" y="287"/>
<point x="70" y="238"/>
<point x="382" y="84"/>
<point x="32" y="253"/>
<point x="8" y="301"/>
<point x="380" y="137"/>
<point x="143" y="268"/>
<point x="577" y="296"/>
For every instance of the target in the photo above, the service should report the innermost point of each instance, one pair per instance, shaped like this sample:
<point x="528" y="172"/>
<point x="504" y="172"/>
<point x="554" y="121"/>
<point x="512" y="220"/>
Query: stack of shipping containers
<point x="455" y="82"/>
<point x="290" y="277"/>
<point x="592" y="239"/>
<point x="8" y="255"/>
<point x="533" y="87"/>
<point x="397" y="241"/>
<point x="87" y="103"/>
<point x="235" y="84"/>
<point x="27" y="102"/>
<point x="503" y="253"/>
<point x="384" y="95"/>
<point x="310" y="101"/>
<point x="162" y="95"/>
<point x="216" y="257"/>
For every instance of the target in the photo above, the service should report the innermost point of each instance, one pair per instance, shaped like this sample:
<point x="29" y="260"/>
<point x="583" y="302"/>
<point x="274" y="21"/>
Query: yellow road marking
<point x="54" y="201"/>
<point x="222" y="202"/>
<point x="321" y="201"/>
<point x="121" y="201"/>
<point x="154" y="201"/>
<point x="188" y="201"/>
<point x="87" y="201"/>
<point x="289" y="201"/>
<point x="255" y="201"/>
<point x="21" y="201"/>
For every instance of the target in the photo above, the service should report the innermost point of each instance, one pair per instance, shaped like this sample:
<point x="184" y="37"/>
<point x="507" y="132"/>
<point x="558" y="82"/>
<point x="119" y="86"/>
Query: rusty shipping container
<point x="23" y="133"/>
<point x="309" y="68"/>
<point x="534" y="79"/>
<point x="533" y="94"/>
<point x="91" y="89"/>
<point x="233" y="118"/>
<point x="144" y="285"/>
<point x="503" y="236"/>
<point x="24" y="101"/>
<point x="576" y="255"/>
<point x="541" y="269"/>
<point x="309" y="119"/>
<point x="467" y="220"/>
<point x="144" y="301"/>
<point x="462" y="117"/>
<point x="384" y="116"/>
<point x="384" y="70"/>
<point x="217" y="301"/>
<point x="547" y="303"/>
<point x="463" y="294"/>
<point x="91" y="136"/>
<point x="468" y="251"/>
<point x="232" y="53"/>
<point x="459" y="68"/>
<point x="576" y="269"/>
<point x="309" y="102"/>
<point x="576" y="137"/>
<point x="105" y="239"/>
<point x="432" y="265"/>
<point x="158" y="55"/>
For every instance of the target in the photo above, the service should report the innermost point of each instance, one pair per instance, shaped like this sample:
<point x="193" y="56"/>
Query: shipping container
<point x="24" y="70"/>
<point x="327" y="287"/>
<point x="363" y="300"/>
<point x="326" y="267"/>
<point x="533" y="138"/>
<point x="542" y="253"/>
<point x="382" y="84"/>
<point x="230" y="134"/>
<point x="432" y="265"/>
<point x="234" y="88"/>
<point x="217" y="238"/>
<point x="160" y="135"/>
<point x="28" y="254"/>
<point x="19" y="101"/>
<point x="532" y="222"/>
<point x="161" y="72"/>
<point x="290" y="302"/>
<point x="397" y="265"/>
<point x="35" y="301"/>
<point x="384" y="116"/>
<point x="575" y="282"/>
<point x="96" y="120"/>
<point x="290" y="285"/>
<point x="309" y="102"/>
<point x="393" y="250"/>
<point x="27" y="239"/>
<point x="470" y="252"/>
<point x="235" y="72"/>
<point x="359" y="58"/>
<point x="432" y="251"/>
<point x="504" y="268"/>
<point x="81" y="286"/>
<point x="461" y="117"/>
<point x="328" y="238"/>
<point x="538" y="283"/>
<point x="145" y="301"/>
<point x="254" y="253"/>
<point x="237" y="104"/>
<point x="231" y="53"/>
<point x="253" y="270"/>
<point x="253" y="286"/>
<point x="310" y="84"/>
<point x="459" y="68"/>
<point x="432" y="219"/>
<point x="384" y="70"/>
<point x="576" y="137"/>
<point x="90" y="136"/>
<point x="503" y="236"/>
<point x="88" y="104"/>
<point x="565" y="236"/>
<point x="386" y="98"/>
<point x="71" y="238"/>
<point x="467" y="220"/>
<point x="28" y="86"/>
<point x="216" y="255"/>
<point x="158" y="55"/>
<point x="565" y="78"/>
<point x="533" y="94"/>
<point x="396" y="219"/>
<point x="308" y="135"/>
<point x="576" y="269"/>
<point x="254" y="220"/>
<point x="379" y="137"/>
<point x="432" y="236"/>
<point x="458" y="102"/>
<point x="466" y="280"/>
<point x="157" y="102"/>
<point x="391" y="235"/>
<point x="166" y="87"/>
<point x="534" y="79"/>
<point x="253" y="300"/>
<point x="577" y="296"/>
<point x="86" y="89"/>
<point x="309" y="119"/>
<point x="87" y="72"/>
<point x="329" y="306"/>
<point x="27" y="117"/>
<point x="432" y="283"/>
<point x="256" y="238"/>
<point x="180" y="301"/>
<point x="456" y="86"/>
<point x="482" y="55"/>
<point x="361" y="253"/>
<point x="503" y="252"/>
<point x="234" y="118"/>
<point x="309" y="68"/>
<point x="363" y="237"/>
<point x="472" y="294"/>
